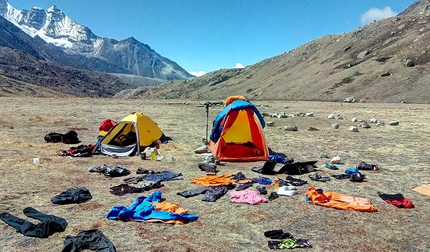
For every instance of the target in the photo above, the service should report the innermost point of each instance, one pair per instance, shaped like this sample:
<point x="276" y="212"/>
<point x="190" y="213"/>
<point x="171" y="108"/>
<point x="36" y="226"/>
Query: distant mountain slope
<point x="19" y="68"/>
<point x="127" y="56"/>
<point x="385" y="61"/>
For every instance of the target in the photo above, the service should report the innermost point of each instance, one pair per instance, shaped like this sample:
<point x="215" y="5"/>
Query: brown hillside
<point x="369" y="63"/>
<point x="20" y="73"/>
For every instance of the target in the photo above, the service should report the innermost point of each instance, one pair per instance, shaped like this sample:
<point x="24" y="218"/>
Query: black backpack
<point x="71" y="137"/>
<point x="53" y="137"/>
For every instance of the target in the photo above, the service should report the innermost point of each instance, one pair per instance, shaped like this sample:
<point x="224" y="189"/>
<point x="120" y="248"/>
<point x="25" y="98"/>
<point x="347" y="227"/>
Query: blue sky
<point x="208" y="35"/>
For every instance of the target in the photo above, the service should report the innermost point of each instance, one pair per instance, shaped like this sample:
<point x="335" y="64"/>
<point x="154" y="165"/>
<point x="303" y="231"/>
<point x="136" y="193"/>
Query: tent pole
<point x="207" y="125"/>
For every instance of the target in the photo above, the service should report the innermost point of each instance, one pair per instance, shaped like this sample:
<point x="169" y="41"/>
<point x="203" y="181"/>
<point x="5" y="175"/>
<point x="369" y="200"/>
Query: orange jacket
<point x="211" y="180"/>
<point x="339" y="201"/>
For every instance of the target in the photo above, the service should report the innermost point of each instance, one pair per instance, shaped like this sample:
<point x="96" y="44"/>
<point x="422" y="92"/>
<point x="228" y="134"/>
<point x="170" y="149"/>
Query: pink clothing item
<point x="247" y="196"/>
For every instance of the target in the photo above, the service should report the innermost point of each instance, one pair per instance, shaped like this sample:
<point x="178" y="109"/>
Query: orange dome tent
<point x="237" y="133"/>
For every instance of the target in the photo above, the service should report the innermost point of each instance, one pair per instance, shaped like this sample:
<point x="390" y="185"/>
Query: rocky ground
<point x="400" y="151"/>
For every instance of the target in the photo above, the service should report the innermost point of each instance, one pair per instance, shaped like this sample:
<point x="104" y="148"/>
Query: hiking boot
<point x="318" y="177"/>
<point x="141" y="170"/>
<point x="210" y="169"/>
<point x="262" y="190"/>
<point x="363" y="166"/>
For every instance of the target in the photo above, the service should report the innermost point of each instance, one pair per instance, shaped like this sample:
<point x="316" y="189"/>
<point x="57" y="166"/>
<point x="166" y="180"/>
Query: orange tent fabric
<point x="234" y="98"/>
<point x="237" y="134"/>
<point x="340" y="201"/>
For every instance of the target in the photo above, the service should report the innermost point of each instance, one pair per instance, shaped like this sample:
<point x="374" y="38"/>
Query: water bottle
<point x="276" y="183"/>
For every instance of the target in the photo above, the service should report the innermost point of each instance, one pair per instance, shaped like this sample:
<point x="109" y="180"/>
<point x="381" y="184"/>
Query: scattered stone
<point x="346" y="48"/>
<point x="393" y="123"/>
<point x="350" y="99"/>
<point x="354" y="119"/>
<point x="335" y="126"/>
<point x="331" y="116"/>
<point x="339" y="117"/>
<point x="373" y="120"/>
<point x="282" y="115"/>
<point x="409" y="63"/>
<point x="384" y="74"/>
<point x="313" y="129"/>
<point x="291" y="128"/>
<point x="353" y="129"/>
<point x="362" y="54"/>
<point x="379" y="123"/>
<point x="202" y="149"/>
<point x="323" y="155"/>
<point x="310" y="114"/>
<point x="364" y="124"/>
<point x="274" y="115"/>
<point x="270" y="124"/>
<point x="265" y="114"/>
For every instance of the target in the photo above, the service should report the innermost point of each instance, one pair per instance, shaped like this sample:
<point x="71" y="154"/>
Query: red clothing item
<point x="397" y="200"/>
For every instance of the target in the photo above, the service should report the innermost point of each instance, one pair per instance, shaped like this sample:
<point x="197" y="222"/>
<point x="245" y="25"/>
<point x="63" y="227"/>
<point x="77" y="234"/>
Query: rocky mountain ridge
<point x="127" y="56"/>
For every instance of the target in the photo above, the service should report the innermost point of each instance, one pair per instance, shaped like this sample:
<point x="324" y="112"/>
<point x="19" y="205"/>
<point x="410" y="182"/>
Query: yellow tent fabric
<point x="135" y="129"/>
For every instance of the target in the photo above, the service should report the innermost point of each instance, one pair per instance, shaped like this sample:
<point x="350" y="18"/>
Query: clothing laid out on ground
<point x="213" y="193"/>
<point x="289" y="167"/>
<point x="289" y="243"/>
<point x="339" y="201"/>
<point x="162" y="176"/>
<point x="396" y="200"/>
<point x="286" y="240"/>
<point x="225" y="179"/>
<point x="151" y="209"/>
<point x="72" y="195"/>
<point x="133" y="180"/>
<point x="110" y="171"/>
<point x="48" y="224"/>
<point x="123" y="189"/>
<point x="88" y="239"/>
<point x="193" y="192"/>
<point x="247" y="196"/>
<point x="244" y="186"/>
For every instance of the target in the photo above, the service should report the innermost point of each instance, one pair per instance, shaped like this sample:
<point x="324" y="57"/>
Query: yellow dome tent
<point x="130" y="135"/>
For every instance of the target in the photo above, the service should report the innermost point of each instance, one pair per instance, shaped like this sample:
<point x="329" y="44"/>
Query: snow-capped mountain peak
<point x="101" y="54"/>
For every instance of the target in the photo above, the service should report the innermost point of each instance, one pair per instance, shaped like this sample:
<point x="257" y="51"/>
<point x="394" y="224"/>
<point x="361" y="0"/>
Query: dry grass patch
<point x="401" y="151"/>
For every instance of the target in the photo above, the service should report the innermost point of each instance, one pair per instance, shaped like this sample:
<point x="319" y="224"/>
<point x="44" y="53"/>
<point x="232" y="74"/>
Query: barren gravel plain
<point x="402" y="153"/>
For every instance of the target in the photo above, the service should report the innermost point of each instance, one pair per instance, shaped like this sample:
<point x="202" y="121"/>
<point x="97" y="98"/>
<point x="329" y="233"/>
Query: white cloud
<point x="376" y="14"/>
<point x="238" y="65"/>
<point x="197" y="74"/>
